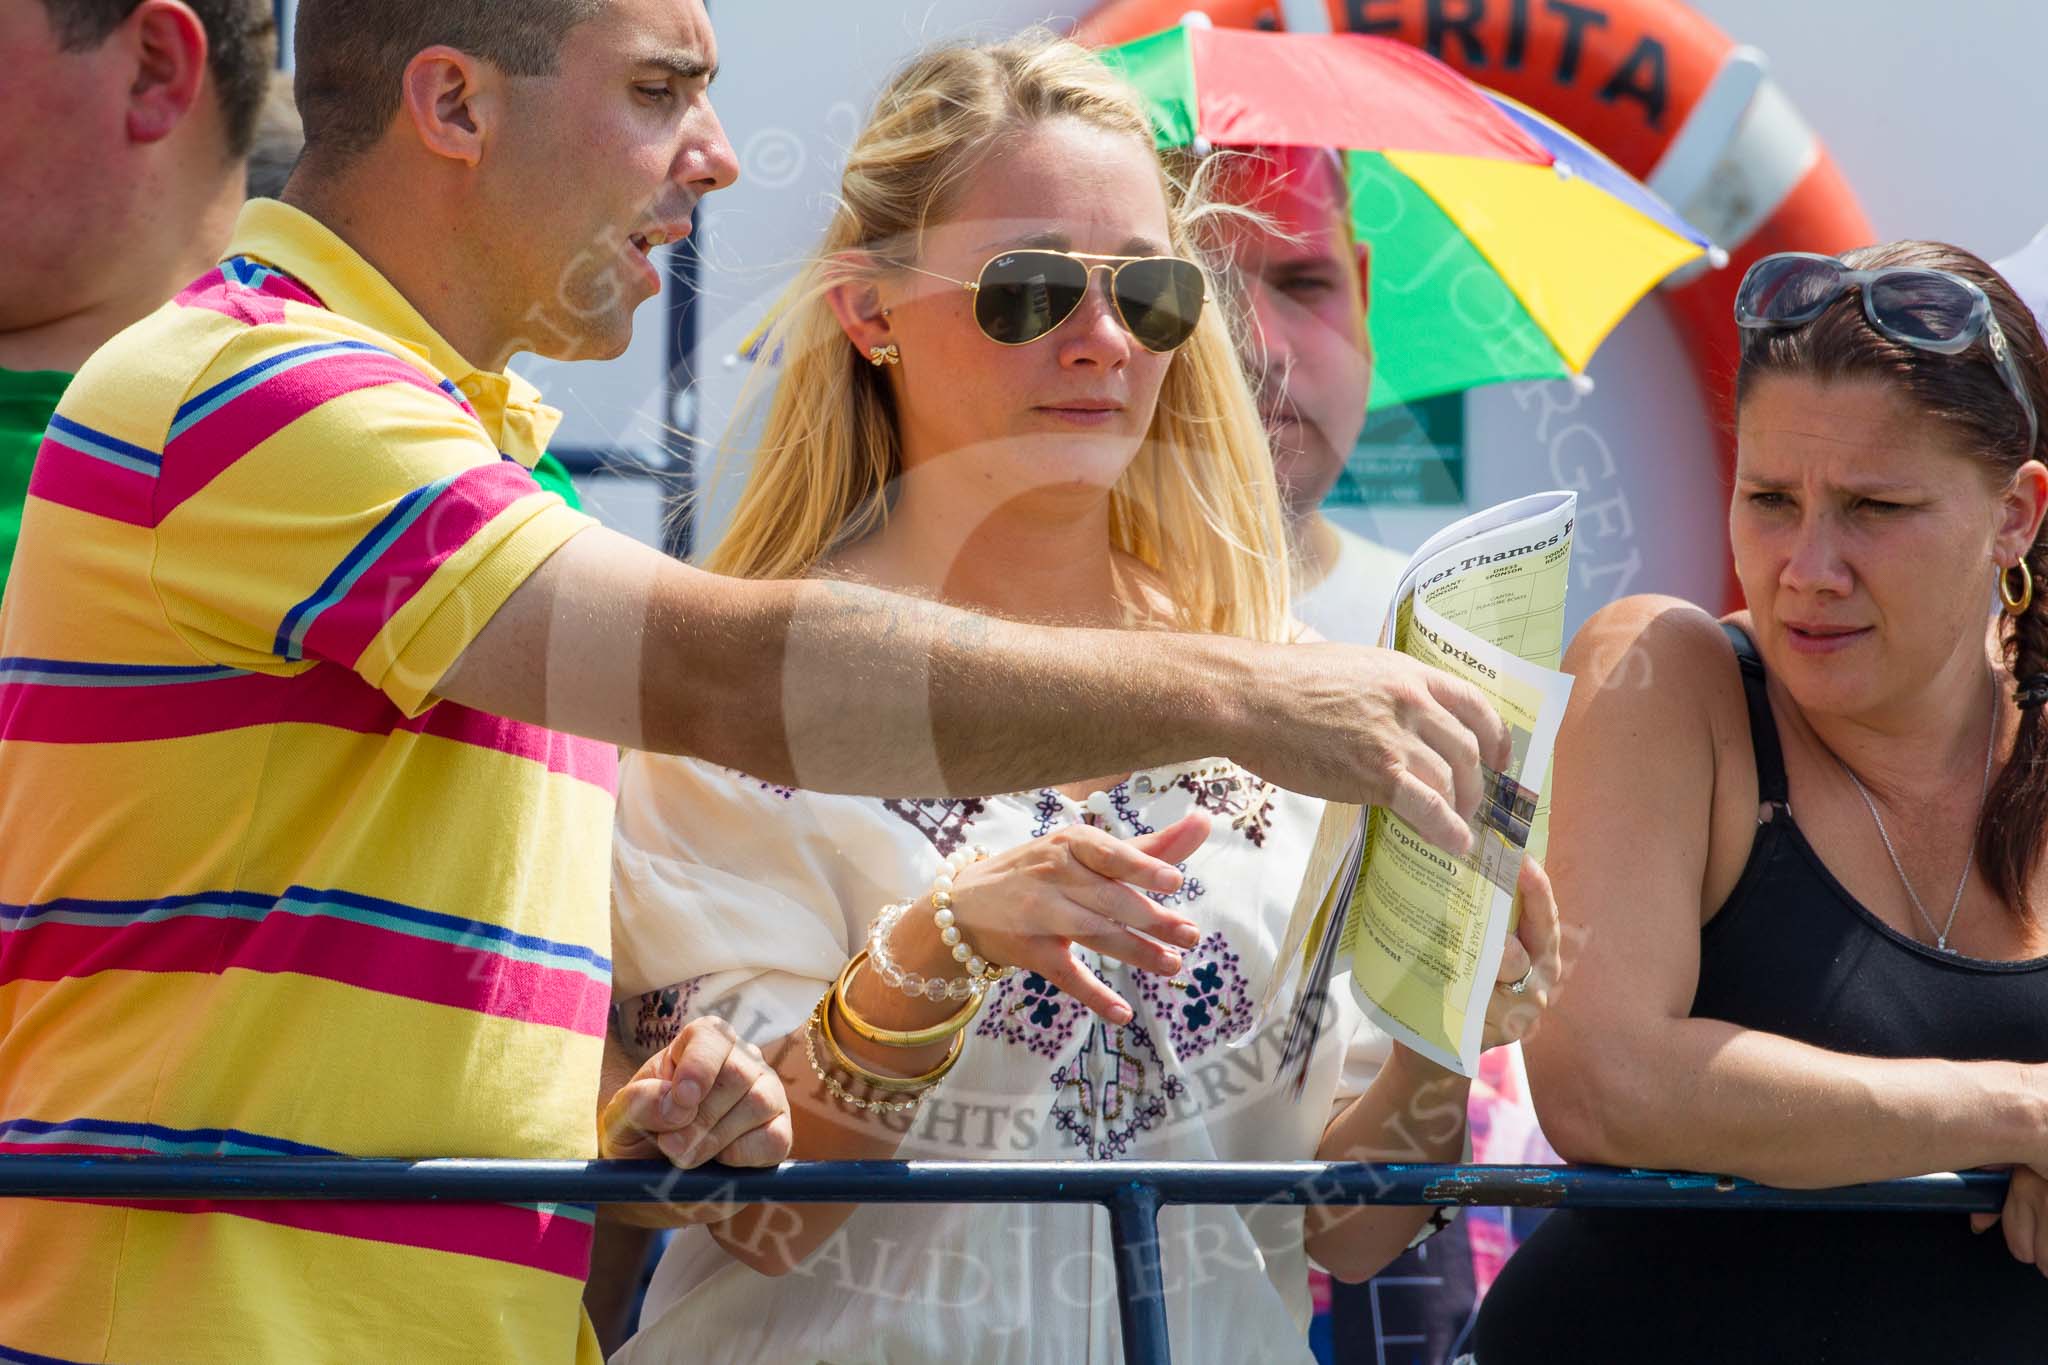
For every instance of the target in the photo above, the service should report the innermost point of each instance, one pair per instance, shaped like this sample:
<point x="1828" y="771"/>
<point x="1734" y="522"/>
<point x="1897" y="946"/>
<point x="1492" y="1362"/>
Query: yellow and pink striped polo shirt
<point x="260" y="891"/>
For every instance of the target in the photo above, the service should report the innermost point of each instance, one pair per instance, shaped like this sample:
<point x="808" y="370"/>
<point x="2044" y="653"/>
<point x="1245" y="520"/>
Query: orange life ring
<point x="1665" y="94"/>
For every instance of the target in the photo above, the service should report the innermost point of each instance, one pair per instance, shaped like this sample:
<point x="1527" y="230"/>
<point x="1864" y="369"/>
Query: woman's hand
<point x="707" y="1095"/>
<point x="2025" y="1217"/>
<point x="1532" y="952"/>
<point x="1027" y="906"/>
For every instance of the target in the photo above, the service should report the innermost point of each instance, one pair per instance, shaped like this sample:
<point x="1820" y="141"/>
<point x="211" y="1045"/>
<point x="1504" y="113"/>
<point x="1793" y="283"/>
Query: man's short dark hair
<point x="241" y="49"/>
<point x="350" y="55"/>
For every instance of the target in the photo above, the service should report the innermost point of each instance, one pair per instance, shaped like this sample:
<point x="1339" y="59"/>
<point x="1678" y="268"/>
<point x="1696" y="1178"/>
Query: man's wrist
<point x="1217" y="692"/>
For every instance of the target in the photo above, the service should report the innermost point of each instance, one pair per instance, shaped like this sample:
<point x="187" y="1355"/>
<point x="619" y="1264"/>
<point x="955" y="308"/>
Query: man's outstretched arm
<point x="841" y="688"/>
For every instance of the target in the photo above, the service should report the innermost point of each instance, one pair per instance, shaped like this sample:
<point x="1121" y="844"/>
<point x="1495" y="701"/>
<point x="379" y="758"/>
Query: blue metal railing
<point x="1133" y="1192"/>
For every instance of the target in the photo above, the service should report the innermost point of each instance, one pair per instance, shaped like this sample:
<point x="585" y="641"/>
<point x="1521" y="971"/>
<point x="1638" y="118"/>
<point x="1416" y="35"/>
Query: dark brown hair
<point x="1966" y="394"/>
<point x="241" y="50"/>
<point x="351" y="54"/>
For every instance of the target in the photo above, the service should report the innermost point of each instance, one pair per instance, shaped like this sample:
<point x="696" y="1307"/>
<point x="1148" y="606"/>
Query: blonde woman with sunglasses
<point x="1002" y="386"/>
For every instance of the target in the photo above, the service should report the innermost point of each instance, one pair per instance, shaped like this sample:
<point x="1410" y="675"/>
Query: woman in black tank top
<point x="1798" y="857"/>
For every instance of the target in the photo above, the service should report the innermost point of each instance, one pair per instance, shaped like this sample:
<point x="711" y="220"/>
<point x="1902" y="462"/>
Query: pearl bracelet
<point x="981" y="972"/>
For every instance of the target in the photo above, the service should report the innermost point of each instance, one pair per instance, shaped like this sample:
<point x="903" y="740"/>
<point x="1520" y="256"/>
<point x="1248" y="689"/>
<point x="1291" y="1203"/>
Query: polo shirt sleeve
<point x="323" y="499"/>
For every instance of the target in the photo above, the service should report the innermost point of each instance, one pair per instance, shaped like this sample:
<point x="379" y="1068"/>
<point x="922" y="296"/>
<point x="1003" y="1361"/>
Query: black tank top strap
<point x="1771" y="786"/>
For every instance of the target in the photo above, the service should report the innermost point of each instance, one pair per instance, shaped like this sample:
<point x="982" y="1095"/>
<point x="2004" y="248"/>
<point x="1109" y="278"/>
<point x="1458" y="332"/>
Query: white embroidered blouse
<point x="739" y="897"/>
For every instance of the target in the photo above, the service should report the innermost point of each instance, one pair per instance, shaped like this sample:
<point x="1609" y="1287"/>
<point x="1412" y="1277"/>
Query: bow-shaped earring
<point x="884" y="355"/>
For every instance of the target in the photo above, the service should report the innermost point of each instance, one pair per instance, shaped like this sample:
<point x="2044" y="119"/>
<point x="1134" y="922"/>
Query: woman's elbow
<point x="1353" y="1270"/>
<point x="1352" y="1259"/>
<point x="1582" y="1109"/>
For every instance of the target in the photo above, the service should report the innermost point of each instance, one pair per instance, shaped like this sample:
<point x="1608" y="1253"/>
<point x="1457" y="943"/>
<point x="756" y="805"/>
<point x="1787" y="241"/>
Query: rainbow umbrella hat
<point x="1503" y="247"/>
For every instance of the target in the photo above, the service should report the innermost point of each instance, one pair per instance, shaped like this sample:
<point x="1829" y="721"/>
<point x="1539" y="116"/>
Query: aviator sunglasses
<point x="1021" y="295"/>
<point x="1929" y="310"/>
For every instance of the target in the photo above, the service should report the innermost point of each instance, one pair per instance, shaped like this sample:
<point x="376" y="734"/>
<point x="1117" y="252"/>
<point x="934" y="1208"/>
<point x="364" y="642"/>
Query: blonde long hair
<point x="1198" y="505"/>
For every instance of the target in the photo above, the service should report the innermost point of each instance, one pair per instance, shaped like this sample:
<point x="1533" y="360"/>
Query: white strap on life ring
<point x="1305" y="16"/>
<point x="1742" y="151"/>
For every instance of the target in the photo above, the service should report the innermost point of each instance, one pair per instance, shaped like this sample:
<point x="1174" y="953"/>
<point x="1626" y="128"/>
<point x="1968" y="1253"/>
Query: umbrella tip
<point x="1195" y="18"/>
<point x="1582" y="384"/>
<point x="1201" y="146"/>
<point x="1717" y="257"/>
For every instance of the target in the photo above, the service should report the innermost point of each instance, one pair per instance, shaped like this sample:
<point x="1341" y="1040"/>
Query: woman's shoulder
<point x="1655" y="680"/>
<point x="1666" y="648"/>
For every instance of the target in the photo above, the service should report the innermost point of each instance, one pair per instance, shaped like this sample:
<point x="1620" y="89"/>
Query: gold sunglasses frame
<point x="1090" y="262"/>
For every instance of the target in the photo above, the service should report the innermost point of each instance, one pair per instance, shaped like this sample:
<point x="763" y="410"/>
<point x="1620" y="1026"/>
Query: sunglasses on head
<point x="1022" y="295"/>
<point x="1929" y="310"/>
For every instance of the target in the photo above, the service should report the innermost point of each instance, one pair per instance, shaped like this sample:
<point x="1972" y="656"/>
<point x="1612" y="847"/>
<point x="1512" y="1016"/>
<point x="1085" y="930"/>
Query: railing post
<point x="1140" y="1283"/>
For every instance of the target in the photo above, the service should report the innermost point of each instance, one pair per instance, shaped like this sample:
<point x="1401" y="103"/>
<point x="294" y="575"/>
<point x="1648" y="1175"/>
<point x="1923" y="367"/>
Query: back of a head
<point x="349" y="56"/>
<point x="241" y="48"/>
<point x="830" y="450"/>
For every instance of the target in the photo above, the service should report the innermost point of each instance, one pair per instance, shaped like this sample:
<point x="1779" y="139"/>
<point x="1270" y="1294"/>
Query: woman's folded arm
<point x="1649" y="830"/>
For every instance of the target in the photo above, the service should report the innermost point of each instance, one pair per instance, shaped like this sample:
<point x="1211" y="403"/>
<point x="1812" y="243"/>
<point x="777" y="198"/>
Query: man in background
<point x="1304" y="282"/>
<point x="124" y="129"/>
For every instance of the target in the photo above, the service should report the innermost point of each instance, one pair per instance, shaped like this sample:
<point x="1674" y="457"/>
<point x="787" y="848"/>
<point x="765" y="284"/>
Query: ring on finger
<point x="1520" y="985"/>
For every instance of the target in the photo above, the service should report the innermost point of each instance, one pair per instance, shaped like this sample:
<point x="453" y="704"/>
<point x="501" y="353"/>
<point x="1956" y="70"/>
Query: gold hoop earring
<point x="884" y="355"/>
<point x="2016" y="603"/>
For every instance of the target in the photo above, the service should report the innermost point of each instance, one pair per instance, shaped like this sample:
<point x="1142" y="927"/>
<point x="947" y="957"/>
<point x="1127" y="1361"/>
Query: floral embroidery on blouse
<point x="1244" y="800"/>
<point x="943" y="822"/>
<point x="1026" y="1009"/>
<point x="1048" y="811"/>
<point x="1120" y="802"/>
<point x="1208" y="1002"/>
<point x="1118" y="1088"/>
<point x="652" y="1021"/>
<point x="1191" y="889"/>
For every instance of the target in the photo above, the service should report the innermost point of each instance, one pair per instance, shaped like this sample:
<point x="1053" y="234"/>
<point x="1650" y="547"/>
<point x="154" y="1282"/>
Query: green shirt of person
<point x="28" y="397"/>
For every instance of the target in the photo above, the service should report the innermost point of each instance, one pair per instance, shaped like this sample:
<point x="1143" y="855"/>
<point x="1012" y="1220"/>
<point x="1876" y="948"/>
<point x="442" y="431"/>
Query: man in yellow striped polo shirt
<point x="309" y="698"/>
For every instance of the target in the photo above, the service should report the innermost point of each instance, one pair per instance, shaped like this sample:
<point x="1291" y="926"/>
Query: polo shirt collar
<point x="306" y="249"/>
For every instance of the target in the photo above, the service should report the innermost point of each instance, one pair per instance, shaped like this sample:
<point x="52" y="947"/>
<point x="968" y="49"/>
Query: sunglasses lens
<point x="1788" y="289"/>
<point x="1922" y="306"/>
<point x="1161" y="300"/>
<point x="1026" y="294"/>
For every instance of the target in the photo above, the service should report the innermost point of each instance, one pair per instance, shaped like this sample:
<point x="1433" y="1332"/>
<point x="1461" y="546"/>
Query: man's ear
<point x="167" y="44"/>
<point x="855" y="299"/>
<point x="451" y="99"/>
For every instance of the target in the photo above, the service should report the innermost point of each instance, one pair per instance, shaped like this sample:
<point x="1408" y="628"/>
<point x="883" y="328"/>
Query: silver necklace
<point x="1969" y="857"/>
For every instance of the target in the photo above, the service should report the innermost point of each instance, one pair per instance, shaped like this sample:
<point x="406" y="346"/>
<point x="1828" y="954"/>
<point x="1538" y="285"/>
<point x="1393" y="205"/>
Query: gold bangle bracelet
<point x="840" y="1092"/>
<point x="889" y="1037"/>
<point x="875" y="1080"/>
